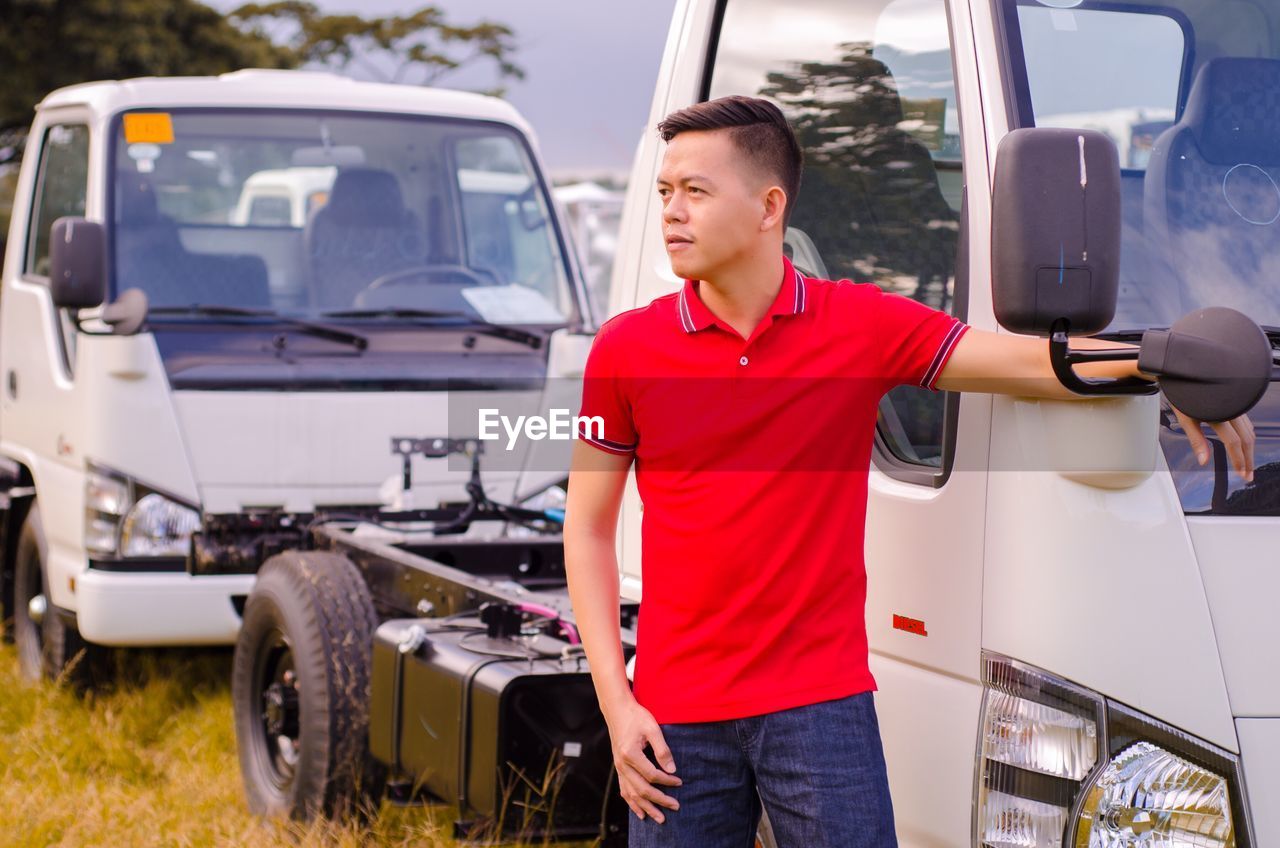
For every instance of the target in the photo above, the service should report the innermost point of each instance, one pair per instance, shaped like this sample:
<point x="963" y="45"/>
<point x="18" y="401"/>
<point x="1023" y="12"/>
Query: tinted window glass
<point x="60" y="188"/>
<point x="1132" y="102"/>
<point x="1188" y="90"/>
<point x="868" y="87"/>
<point x="314" y="213"/>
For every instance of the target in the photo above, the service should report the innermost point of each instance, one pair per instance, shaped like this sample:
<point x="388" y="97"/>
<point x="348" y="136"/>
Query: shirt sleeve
<point x="606" y="407"/>
<point x="915" y="341"/>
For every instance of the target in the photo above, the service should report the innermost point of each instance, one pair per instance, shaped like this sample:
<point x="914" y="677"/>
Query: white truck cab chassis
<point x="1062" y="603"/>
<point x="223" y="298"/>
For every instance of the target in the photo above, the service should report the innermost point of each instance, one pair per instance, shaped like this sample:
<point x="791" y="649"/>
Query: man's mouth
<point x="674" y="241"/>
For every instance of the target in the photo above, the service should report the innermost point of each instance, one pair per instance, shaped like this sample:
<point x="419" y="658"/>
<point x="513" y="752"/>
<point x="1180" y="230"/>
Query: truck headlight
<point x="157" y="526"/>
<point x="1039" y="741"/>
<point x="106" y="498"/>
<point x="1063" y="766"/>
<point x="125" y="518"/>
<point x="1148" y="796"/>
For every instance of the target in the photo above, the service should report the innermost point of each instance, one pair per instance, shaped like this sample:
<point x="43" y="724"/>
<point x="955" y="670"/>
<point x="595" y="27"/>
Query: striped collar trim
<point x="792" y="299"/>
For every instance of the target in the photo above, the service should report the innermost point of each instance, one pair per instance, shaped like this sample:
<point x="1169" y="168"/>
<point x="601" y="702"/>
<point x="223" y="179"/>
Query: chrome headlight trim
<point x="1027" y="788"/>
<point x="160" y="523"/>
<point x="1119" y="727"/>
<point x="1127" y="727"/>
<point x="121" y="512"/>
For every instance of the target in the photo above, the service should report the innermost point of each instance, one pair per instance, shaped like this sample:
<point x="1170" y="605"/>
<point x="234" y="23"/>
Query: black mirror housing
<point x="77" y="259"/>
<point x="1214" y="364"/>
<point x="1055" y="242"/>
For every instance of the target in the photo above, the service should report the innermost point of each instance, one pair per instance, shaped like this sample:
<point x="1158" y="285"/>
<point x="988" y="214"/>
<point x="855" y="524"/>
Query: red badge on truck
<point x="911" y="625"/>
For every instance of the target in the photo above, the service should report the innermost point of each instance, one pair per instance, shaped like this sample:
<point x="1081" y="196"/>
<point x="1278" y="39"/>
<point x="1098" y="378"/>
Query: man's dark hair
<point x="757" y="127"/>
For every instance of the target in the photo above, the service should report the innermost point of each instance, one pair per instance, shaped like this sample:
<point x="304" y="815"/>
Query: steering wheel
<point x="395" y="277"/>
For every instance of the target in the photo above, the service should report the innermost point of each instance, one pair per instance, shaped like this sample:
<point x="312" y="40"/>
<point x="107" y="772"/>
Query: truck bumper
<point x="135" y="610"/>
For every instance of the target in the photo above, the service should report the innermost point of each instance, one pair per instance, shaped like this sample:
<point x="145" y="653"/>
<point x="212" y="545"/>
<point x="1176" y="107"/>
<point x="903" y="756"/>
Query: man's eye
<point x="695" y="190"/>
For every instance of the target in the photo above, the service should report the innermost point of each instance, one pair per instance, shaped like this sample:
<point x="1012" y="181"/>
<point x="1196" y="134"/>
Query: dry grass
<point x="151" y="762"/>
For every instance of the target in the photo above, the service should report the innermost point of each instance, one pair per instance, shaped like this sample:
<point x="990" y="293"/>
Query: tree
<point x="46" y="44"/>
<point x="423" y="41"/>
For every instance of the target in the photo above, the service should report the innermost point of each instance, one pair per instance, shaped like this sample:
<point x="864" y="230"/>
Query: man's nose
<point x="674" y="210"/>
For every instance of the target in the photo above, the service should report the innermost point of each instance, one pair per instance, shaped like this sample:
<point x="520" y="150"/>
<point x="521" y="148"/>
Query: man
<point x="747" y="401"/>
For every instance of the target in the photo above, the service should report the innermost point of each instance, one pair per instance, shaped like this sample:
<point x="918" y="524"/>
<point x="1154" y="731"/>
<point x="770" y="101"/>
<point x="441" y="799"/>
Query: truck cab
<point x="308" y="268"/>
<point x="1062" y="602"/>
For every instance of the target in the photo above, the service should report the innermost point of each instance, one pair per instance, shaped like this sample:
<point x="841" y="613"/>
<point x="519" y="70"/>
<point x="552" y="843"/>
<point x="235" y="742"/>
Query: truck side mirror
<point x="1055" y="242"/>
<point x="1214" y="364"/>
<point x="77" y="258"/>
<point x="1055" y="246"/>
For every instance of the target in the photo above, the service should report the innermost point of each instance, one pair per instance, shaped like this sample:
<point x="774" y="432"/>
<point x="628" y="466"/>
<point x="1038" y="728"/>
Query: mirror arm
<point x="1063" y="358"/>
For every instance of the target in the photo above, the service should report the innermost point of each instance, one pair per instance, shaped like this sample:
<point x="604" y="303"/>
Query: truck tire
<point x="49" y="647"/>
<point x="300" y="690"/>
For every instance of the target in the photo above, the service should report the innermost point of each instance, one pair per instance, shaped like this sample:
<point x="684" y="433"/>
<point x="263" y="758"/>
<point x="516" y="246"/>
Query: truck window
<point x="868" y="87"/>
<point x="270" y="211"/>
<point x="504" y="215"/>
<point x="1131" y="95"/>
<point x="61" y="184"/>
<point x="311" y="213"/>
<point x="1187" y="92"/>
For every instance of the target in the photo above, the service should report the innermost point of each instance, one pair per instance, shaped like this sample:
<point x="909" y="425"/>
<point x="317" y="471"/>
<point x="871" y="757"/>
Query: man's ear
<point x="775" y="208"/>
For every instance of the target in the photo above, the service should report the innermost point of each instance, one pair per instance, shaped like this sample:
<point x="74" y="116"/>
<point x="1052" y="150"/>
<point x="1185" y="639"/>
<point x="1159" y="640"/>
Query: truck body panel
<point x="1055" y="533"/>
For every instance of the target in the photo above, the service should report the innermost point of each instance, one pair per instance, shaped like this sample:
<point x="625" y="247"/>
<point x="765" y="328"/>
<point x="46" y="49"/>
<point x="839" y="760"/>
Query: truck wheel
<point x="300" y="689"/>
<point x="48" y="646"/>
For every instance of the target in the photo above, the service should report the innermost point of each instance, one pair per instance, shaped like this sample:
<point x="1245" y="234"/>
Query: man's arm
<point x="596" y="482"/>
<point x="1018" y="365"/>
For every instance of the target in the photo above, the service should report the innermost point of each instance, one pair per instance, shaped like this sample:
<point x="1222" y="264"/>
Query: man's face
<point x="713" y="203"/>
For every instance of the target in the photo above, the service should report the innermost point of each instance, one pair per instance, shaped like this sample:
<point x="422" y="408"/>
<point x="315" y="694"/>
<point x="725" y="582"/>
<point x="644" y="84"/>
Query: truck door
<point x="38" y="406"/>
<point x="870" y="89"/>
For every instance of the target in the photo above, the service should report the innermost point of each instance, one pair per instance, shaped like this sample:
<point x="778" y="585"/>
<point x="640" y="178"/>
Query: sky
<point x="590" y="67"/>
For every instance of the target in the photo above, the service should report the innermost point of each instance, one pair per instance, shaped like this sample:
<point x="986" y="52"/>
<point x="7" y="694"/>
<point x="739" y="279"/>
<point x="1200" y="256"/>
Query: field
<point x="151" y="762"/>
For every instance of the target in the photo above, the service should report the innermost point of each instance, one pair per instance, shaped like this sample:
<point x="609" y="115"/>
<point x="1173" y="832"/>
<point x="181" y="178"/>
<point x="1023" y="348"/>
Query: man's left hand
<point x="1236" y="436"/>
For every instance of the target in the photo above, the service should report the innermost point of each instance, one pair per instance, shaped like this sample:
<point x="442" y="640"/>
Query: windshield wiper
<point x="313" y="328"/>
<point x="446" y="318"/>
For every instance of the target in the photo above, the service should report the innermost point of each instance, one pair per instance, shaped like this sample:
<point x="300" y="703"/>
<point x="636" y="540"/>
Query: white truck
<point x="191" y="374"/>
<point x="1072" y="623"/>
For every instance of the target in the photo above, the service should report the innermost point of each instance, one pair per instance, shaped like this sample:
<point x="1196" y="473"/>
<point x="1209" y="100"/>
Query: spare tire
<point x="300" y="690"/>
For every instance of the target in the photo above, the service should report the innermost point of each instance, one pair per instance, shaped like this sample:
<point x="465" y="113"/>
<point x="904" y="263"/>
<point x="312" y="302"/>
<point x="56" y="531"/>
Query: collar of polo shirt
<point x="791" y="300"/>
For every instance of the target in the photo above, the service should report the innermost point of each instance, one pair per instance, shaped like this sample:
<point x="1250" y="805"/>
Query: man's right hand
<point x="631" y="728"/>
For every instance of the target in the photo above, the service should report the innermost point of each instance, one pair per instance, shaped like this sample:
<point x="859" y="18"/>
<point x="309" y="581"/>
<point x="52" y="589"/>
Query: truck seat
<point x="149" y="255"/>
<point x="363" y="232"/>
<point x="1212" y="193"/>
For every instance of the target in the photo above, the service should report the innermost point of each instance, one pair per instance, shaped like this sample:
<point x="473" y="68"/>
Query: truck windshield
<point x="1190" y="93"/>
<point x="307" y="214"/>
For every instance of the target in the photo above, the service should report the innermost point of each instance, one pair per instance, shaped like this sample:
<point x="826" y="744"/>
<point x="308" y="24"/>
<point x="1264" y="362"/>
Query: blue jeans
<point x="819" y="770"/>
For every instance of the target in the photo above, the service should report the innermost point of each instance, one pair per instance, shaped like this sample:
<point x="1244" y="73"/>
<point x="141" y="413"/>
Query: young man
<point x="747" y="401"/>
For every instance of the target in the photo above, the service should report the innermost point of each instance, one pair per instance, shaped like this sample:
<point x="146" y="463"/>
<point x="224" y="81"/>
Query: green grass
<point x="151" y="761"/>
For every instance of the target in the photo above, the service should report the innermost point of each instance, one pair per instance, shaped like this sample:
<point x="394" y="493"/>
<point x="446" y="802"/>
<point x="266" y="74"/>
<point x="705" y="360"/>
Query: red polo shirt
<point x="751" y="459"/>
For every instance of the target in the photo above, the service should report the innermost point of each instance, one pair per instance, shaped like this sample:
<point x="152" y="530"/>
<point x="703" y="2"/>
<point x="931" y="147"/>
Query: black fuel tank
<point x="514" y="739"/>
